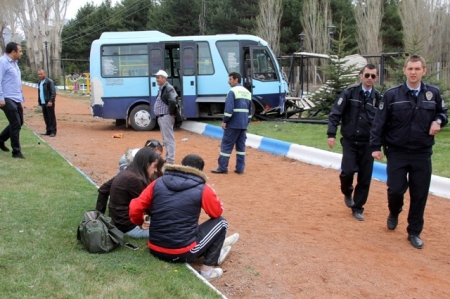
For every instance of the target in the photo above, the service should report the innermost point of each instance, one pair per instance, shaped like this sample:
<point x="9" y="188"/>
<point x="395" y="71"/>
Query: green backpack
<point x="98" y="234"/>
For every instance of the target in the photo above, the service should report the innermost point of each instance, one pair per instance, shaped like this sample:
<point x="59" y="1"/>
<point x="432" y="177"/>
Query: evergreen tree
<point x="342" y="13"/>
<point x="338" y="75"/>
<point x="291" y="26"/>
<point x="391" y="27"/>
<point x="431" y="76"/>
<point x="175" y="17"/>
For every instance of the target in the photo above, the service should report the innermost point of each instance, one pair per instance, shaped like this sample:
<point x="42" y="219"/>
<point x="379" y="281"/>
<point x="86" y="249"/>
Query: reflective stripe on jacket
<point x="238" y="108"/>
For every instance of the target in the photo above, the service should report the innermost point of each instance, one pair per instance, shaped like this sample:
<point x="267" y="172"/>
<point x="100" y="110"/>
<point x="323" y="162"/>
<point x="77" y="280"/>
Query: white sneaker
<point x="215" y="274"/>
<point x="231" y="240"/>
<point x="223" y="254"/>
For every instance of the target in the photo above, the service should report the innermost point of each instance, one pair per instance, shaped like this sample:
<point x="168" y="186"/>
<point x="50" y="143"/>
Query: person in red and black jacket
<point x="174" y="202"/>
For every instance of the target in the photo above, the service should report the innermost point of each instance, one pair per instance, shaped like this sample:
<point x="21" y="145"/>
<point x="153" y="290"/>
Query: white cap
<point x="162" y="73"/>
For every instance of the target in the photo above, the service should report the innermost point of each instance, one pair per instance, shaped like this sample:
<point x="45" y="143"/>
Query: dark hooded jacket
<point x="174" y="203"/>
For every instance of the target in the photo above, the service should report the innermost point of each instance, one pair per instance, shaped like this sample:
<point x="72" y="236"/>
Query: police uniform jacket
<point x="238" y="108"/>
<point x="174" y="202"/>
<point x="356" y="113"/>
<point x="404" y="124"/>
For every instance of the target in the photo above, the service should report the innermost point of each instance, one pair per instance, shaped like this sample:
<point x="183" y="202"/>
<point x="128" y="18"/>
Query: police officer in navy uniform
<point x="409" y="116"/>
<point x="236" y="117"/>
<point x="356" y="108"/>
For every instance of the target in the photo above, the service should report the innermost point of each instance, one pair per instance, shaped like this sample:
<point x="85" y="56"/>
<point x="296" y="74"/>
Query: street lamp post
<point x="331" y="29"/>
<point x="46" y="57"/>
<point x="302" y="38"/>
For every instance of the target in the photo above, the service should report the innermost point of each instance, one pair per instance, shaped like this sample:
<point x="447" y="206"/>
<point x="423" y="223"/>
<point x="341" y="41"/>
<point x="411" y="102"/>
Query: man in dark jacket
<point x="46" y="99"/>
<point x="174" y="202"/>
<point x="356" y="107"/>
<point x="236" y="117"/>
<point x="409" y="117"/>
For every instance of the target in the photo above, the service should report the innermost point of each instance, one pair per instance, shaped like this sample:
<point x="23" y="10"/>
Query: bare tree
<point x="368" y="16"/>
<point x="8" y="22"/>
<point x="268" y="22"/>
<point x="424" y="27"/>
<point x="42" y="21"/>
<point x="316" y="16"/>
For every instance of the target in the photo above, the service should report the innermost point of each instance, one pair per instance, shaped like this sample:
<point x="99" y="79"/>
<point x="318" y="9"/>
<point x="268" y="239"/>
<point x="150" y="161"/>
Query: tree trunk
<point x="268" y="23"/>
<point x="368" y="16"/>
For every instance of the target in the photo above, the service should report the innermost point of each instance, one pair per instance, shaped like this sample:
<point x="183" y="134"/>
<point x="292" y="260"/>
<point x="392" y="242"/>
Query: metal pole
<point x="46" y="57"/>
<point x="331" y="41"/>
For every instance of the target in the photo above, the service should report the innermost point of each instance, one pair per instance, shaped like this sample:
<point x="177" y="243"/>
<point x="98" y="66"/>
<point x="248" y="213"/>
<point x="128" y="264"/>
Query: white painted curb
<point x="439" y="186"/>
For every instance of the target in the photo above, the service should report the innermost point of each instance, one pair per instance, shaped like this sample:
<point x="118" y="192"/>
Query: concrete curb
<point x="439" y="185"/>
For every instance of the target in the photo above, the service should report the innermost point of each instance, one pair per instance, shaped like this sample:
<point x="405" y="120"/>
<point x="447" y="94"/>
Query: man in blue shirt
<point x="46" y="99"/>
<point x="11" y="98"/>
<point x="237" y="115"/>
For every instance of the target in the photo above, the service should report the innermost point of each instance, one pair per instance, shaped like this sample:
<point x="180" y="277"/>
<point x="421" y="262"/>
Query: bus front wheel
<point x="141" y="119"/>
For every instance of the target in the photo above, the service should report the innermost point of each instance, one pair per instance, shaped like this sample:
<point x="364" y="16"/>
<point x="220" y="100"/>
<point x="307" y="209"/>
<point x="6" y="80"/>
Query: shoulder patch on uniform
<point x="429" y="95"/>
<point x="381" y="106"/>
<point x="339" y="102"/>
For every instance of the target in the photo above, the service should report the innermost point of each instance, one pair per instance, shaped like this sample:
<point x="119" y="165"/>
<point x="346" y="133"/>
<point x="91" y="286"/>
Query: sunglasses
<point x="154" y="143"/>
<point x="370" y="75"/>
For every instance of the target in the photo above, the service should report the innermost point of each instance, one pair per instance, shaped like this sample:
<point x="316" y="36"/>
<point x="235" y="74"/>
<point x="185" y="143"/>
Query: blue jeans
<point x="138" y="233"/>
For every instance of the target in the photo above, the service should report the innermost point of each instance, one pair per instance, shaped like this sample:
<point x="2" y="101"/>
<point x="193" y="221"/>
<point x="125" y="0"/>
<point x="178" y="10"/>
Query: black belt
<point x="161" y="115"/>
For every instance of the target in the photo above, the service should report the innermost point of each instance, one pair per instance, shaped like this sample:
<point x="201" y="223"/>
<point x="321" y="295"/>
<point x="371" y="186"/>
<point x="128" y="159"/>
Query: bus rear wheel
<point x="141" y="119"/>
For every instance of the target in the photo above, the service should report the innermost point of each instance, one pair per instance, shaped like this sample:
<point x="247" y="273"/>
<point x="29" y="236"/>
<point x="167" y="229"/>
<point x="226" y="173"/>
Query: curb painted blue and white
<point x="35" y="85"/>
<point x="440" y="186"/>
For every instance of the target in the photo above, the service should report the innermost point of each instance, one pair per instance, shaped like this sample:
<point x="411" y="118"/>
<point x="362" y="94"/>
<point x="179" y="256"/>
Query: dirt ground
<point x="298" y="239"/>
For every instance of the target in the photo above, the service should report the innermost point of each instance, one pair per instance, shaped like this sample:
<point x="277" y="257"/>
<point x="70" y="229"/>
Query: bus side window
<point x="204" y="60"/>
<point x="155" y="60"/>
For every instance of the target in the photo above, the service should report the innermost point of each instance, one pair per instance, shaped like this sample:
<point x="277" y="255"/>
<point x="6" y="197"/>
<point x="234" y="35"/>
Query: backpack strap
<point x="116" y="234"/>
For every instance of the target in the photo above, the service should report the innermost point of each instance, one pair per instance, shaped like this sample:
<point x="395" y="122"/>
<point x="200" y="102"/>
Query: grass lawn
<point x="42" y="200"/>
<point x="315" y="135"/>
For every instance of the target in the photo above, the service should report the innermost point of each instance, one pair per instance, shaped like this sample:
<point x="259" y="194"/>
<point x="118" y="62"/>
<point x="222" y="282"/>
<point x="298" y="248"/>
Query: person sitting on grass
<point x="174" y="202"/>
<point x="128" y="184"/>
<point x="127" y="158"/>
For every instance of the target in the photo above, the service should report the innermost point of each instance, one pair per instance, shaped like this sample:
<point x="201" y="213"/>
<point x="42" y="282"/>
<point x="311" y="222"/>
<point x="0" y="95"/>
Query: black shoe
<point x="219" y="171"/>
<point x="18" y="155"/>
<point x="415" y="241"/>
<point x="392" y="222"/>
<point x="238" y="172"/>
<point x="3" y="146"/>
<point x="45" y="134"/>
<point x="358" y="216"/>
<point x="52" y="135"/>
<point x="349" y="201"/>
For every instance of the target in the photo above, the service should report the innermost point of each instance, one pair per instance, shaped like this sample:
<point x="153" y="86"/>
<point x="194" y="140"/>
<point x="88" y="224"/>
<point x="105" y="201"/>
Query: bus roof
<point x="133" y="34"/>
<point x="123" y="37"/>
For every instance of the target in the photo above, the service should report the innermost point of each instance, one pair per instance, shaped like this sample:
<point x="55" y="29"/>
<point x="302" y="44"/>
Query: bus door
<point x="265" y="77"/>
<point x="188" y="55"/>
<point x="155" y="63"/>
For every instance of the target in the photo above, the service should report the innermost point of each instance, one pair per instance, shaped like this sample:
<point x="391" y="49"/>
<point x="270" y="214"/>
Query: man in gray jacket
<point x="165" y="111"/>
<point x="46" y="99"/>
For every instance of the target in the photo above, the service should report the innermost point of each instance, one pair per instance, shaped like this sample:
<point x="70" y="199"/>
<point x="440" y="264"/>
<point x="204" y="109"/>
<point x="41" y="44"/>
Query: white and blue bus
<point x="123" y="84"/>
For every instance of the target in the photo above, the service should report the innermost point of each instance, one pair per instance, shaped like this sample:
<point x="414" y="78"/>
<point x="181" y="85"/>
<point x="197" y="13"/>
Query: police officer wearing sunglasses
<point x="356" y="108"/>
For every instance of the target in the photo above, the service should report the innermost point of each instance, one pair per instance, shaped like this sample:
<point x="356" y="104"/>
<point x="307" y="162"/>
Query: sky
<point x="76" y="4"/>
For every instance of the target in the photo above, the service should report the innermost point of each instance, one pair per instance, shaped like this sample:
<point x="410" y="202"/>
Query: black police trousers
<point x="413" y="170"/>
<point x="356" y="157"/>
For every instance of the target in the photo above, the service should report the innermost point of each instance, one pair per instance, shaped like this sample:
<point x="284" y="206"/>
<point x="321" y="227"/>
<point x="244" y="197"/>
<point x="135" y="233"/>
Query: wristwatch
<point x="439" y="121"/>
